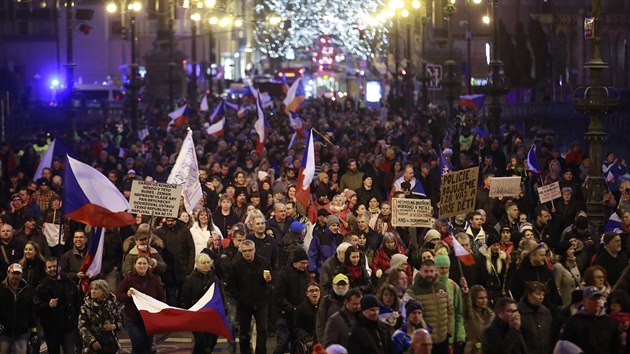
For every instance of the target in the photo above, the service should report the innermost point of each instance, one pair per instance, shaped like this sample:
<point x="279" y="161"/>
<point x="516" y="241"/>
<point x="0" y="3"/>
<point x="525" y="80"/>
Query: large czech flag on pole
<point x="306" y="173"/>
<point x="90" y="198"/>
<point x="207" y="315"/>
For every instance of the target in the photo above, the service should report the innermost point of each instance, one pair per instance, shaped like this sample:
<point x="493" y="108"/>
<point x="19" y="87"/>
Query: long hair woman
<point x="141" y="279"/>
<point x="99" y="318"/>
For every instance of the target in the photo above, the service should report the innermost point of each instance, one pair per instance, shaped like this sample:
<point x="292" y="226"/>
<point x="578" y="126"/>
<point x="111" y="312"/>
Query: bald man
<point x="421" y="342"/>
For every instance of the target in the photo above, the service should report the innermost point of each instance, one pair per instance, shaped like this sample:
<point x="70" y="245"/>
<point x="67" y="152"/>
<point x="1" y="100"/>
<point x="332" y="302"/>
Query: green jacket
<point x="455" y="293"/>
<point x="438" y="308"/>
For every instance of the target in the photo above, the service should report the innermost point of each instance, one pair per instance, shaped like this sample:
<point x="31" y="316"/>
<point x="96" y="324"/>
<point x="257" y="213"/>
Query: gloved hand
<point x="2" y="329"/>
<point x="34" y="338"/>
<point x="379" y="273"/>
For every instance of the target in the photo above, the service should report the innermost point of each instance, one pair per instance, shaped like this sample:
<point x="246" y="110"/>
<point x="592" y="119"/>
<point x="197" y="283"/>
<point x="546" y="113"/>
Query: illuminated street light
<point x="111" y="7"/>
<point x="415" y="4"/>
<point x="195" y="17"/>
<point x="213" y="20"/>
<point x="274" y="20"/>
<point x="486" y="19"/>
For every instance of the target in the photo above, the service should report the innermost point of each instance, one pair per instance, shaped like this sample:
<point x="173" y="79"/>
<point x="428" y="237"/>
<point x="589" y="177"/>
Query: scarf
<point x="354" y="272"/>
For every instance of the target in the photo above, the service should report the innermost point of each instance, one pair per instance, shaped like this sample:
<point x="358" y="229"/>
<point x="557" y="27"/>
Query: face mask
<point x="142" y="247"/>
<point x="340" y="292"/>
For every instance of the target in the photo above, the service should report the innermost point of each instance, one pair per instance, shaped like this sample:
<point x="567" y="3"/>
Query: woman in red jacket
<point x="140" y="279"/>
<point x="383" y="255"/>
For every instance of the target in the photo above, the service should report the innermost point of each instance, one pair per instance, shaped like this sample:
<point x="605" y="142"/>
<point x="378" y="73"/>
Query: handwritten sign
<point x="549" y="192"/>
<point x="505" y="187"/>
<point x="158" y="199"/>
<point x="412" y="212"/>
<point x="458" y="192"/>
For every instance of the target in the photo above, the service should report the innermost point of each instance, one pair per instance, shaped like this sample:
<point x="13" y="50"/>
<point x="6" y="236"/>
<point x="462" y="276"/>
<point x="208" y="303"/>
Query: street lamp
<point x="450" y="80"/>
<point x="595" y="100"/>
<point x="496" y="85"/>
<point x="134" y="83"/>
<point x="469" y="43"/>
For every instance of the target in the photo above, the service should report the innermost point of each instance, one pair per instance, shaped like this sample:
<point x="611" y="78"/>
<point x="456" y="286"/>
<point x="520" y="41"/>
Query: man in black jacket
<point x="588" y="329"/>
<point x="503" y="335"/>
<point x="58" y="309"/>
<point x="179" y="255"/>
<point x="17" y="312"/>
<point x="250" y="284"/>
<point x="369" y="335"/>
<point x="288" y="293"/>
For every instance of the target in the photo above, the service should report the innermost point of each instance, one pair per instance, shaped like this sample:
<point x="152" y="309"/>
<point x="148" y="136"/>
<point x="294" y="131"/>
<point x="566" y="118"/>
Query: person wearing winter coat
<point x="535" y="319"/>
<point x="503" y="335"/>
<point x="494" y="263"/>
<point x="195" y="286"/>
<point x="401" y="339"/>
<point x="249" y="283"/>
<point x="443" y="264"/>
<point x="99" y="319"/>
<point x="331" y="303"/>
<point x="17" y="312"/>
<point x="140" y="279"/>
<point x="565" y="271"/>
<point x="382" y="257"/>
<point x="58" y="309"/>
<point x="143" y="243"/>
<point x="179" y="255"/>
<point x="356" y="273"/>
<point x="289" y="287"/>
<point x="369" y="335"/>
<point x="323" y="245"/>
<point x="331" y="267"/>
<point x="305" y="316"/>
<point x="477" y="316"/>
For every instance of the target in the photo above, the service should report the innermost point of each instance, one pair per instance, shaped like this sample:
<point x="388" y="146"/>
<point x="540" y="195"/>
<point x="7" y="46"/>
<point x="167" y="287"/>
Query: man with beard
<point x="331" y="303"/>
<point x="17" y="313"/>
<point x="11" y="248"/>
<point x="503" y="335"/>
<point x="339" y="324"/>
<point x="611" y="258"/>
<point x="352" y="179"/>
<point x="369" y="335"/>
<point x="438" y="307"/>
<point x="58" y="309"/>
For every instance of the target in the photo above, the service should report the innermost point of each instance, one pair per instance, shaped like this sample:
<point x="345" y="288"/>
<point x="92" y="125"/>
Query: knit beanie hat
<point x="413" y="305"/>
<point x="442" y="260"/>
<point x="332" y="220"/>
<point x="299" y="255"/>
<point x="368" y="302"/>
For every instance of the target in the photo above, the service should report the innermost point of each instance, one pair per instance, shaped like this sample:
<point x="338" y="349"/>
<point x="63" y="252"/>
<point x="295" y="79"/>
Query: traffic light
<point x="85" y="28"/>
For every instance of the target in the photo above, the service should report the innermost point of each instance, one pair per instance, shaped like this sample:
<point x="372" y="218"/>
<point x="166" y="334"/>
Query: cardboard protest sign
<point x="458" y="192"/>
<point x="505" y="187"/>
<point x="412" y="212"/>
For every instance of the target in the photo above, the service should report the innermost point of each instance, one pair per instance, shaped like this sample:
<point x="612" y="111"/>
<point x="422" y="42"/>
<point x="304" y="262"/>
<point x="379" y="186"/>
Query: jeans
<point x="61" y="341"/>
<point x="245" y="318"/>
<point x="284" y="334"/>
<point x="204" y="342"/>
<point x="140" y="342"/>
<point x="13" y="344"/>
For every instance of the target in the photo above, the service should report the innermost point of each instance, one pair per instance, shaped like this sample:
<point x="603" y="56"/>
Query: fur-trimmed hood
<point x="156" y="242"/>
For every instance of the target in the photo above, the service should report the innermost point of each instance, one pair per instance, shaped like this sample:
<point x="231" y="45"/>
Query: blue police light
<point x="54" y="83"/>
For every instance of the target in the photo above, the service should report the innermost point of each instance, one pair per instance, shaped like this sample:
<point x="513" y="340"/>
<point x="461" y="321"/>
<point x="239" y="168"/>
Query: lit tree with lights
<point x="285" y="25"/>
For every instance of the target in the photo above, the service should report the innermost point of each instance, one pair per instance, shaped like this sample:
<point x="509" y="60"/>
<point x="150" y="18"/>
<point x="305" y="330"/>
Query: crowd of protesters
<point x="334" y="273"/>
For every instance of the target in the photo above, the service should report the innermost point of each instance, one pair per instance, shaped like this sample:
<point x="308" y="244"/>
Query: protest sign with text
<point x="549" y="192"/>
<point x="157" y="199"/>
<point x="458" y="192"/>
<point x="505" y="187"/>
<point x="412" y="212"/>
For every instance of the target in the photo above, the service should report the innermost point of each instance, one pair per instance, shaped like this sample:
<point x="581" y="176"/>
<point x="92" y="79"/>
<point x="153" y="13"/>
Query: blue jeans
<point x="13" y="344"/>
<point x="284" y="333"/>
<point x="140" y="342"/>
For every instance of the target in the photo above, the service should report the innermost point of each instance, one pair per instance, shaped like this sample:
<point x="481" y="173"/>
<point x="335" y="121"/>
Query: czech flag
<point x="56" y="149"/>
<point x="93" y="261"/>
<point x="462" y="254"/>
<point x="207" y="315"/>
<point x="216" y="129"/>
<point x="90" y="198"/>
<point x="445" y="165"/>
<point x="261" y="126"/>
<point x="297" y="124"/>
<point x="218" y="113"/>
<point x="531" y="160"/>
<point x="179" y="117"/>
<point x="306" y="173"/>
<point x="474" y="102"/>
<point x="613" y="223"/>
<point x="295" y="97"/>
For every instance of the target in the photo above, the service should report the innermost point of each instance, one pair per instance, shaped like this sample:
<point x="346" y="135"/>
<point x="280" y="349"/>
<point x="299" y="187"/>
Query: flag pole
<point x="461" y="270"/>
<point x="323" y="137"/>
